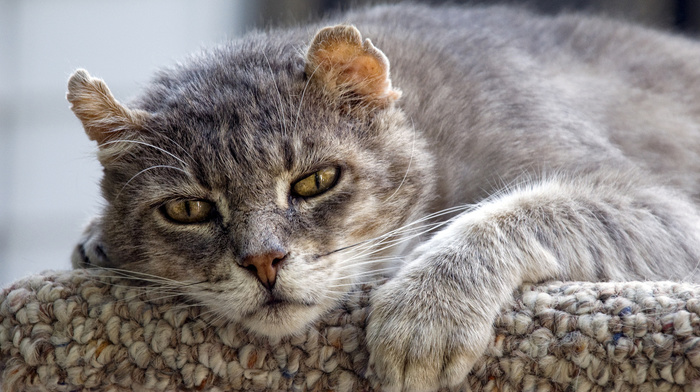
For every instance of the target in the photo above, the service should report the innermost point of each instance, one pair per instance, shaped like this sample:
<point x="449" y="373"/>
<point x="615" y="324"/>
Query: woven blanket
<point x="81" y="330"/>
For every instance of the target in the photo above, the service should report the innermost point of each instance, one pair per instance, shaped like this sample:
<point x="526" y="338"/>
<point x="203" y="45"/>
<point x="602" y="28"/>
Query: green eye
<point x="316" y="183"/>
<point x="188" y="211"/>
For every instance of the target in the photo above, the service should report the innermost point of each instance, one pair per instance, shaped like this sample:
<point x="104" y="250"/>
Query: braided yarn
<point x="81" y="330"/>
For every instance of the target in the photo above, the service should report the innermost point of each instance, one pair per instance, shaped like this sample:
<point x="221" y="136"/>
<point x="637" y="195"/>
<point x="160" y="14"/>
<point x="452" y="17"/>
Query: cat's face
<point x="250" y="175"/>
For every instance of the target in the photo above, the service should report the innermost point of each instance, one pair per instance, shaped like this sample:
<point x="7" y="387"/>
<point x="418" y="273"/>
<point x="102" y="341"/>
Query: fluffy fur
<point x="533" y="147"/>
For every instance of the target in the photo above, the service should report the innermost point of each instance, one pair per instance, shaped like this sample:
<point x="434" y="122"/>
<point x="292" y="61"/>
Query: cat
<point x="459" y="151"/>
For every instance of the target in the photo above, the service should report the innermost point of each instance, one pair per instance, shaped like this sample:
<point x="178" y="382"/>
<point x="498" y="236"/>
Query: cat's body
<point x="564" y="148"/>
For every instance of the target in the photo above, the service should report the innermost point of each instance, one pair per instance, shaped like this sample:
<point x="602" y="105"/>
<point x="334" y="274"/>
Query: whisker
<point x="170" y="289"/>
<point x="177" y="145"/>
<point x="303" y="93"/>
<point x="396" y="237"/>
<point x="147" y="145"/>
<point x="380" y="279"/>
<point x="370" y="261"/>
<point x="142" y="293"/>
<point x="280" y="108"/>
<point x="134" y="279"/>
<point x="384" y="245"/>
<point x="410" y="161"/>
<point x="360" y="274"/>
<point x="363" y="271"/>
<point x="126" y="272"/>
<point x="166" y="296"/>
<point x="156" y="288"/>
<point x="406" y="227"/>
<point x="147" y="169"/>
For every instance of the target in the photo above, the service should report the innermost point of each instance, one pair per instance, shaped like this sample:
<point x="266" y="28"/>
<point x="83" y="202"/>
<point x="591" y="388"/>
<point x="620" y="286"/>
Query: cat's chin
<point x="264" y="314"/>
<point x="278" y="319"/>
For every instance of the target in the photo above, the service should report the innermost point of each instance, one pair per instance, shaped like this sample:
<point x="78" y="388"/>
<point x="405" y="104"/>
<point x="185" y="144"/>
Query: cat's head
<point x="257" y="180"/>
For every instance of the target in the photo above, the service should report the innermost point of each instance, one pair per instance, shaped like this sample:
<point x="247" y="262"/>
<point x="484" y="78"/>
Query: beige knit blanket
<point x="78" y="330"/>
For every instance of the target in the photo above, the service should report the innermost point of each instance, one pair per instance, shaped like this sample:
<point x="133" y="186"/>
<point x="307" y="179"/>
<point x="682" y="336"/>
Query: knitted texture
<point x="80" y="330"/>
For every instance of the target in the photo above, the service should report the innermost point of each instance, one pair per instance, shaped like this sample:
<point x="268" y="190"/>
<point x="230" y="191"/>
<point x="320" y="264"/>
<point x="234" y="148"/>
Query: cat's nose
<point x="265" y="266"/>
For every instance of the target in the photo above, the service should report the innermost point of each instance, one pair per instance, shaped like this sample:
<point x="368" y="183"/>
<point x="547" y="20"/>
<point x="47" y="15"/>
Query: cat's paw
<point x="424" y="335"/>
<point x="90" y="251"/>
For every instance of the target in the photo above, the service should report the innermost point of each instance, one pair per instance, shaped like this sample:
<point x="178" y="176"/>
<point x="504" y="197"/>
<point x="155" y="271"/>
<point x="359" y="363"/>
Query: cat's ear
<point x="103" y="117"/>
<point x="342" y="63"/>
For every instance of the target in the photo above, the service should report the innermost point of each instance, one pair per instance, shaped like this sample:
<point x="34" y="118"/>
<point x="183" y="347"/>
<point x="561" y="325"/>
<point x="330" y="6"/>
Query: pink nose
<point x="265" y="266"/>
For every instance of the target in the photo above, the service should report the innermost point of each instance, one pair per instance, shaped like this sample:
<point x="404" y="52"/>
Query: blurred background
<point x="48" y="174"/>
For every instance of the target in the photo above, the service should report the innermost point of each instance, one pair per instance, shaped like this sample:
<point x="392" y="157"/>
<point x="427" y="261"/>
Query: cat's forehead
<point x="246" y="117"/>
<point x="247" y="113"/>
<point x="248" y="82"/>
<point x="250" y="109"/>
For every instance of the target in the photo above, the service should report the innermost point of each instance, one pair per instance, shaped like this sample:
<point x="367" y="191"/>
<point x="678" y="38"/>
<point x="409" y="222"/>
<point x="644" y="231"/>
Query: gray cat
<point x="263" y="178"/>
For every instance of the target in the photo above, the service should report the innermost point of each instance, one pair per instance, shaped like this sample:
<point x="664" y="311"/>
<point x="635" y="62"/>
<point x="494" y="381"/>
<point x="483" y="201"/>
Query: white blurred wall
<point x="48" y="173"/>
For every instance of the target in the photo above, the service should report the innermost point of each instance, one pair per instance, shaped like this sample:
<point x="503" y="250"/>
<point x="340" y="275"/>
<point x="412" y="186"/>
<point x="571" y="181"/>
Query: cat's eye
<point x="316" y="183"/>
<point x="188" y="211"/>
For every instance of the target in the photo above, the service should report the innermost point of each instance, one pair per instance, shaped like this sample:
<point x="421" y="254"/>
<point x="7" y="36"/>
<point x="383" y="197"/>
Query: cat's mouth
<point x="276" y="301"/>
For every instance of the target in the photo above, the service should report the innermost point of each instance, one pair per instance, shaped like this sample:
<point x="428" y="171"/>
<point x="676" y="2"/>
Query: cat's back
<point x="556" y="42"/>
<point x="513" y="89"/>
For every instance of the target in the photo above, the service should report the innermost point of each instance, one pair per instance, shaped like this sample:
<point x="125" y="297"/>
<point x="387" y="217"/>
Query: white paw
<point x="425" y="334"/>
<point x="90" y="252"/>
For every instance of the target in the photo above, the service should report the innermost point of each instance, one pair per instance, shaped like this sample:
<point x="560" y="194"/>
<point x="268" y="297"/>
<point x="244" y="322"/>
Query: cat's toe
<point x="410" y="354"/>
<point x="419" y="342"/>
<point x="420" y="365"/>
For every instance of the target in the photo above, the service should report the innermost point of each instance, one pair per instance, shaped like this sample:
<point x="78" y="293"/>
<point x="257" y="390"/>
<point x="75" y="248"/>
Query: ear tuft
<point x="345" y="65"/>
<point x="103" y="117"/>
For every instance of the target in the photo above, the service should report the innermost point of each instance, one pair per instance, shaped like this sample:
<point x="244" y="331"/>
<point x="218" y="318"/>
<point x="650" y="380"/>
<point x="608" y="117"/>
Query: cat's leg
<point x="431" y="322"/>
<point x="90" y="251"/>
